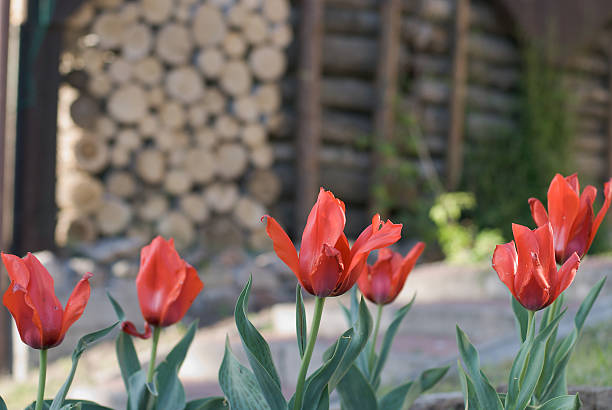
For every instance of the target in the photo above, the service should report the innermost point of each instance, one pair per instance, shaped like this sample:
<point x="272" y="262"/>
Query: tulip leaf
<point x="82" y="345"/>
<point x="388" y="340"/>
<point x="486" y="394"/>
<point x="300" y="321"/>
<point x="116" y="307"/>
<point x="361" y="333"/>
<point x="319" y="380"/>
<point x="587" y="304"/>
<point x="2" y="404"/>
<point x="467" y="388"/>
<point x="566" y="402"/>
<point x="532" y="368"/>
<point x="323" y="400"/>
<point x="138" y="393"/>
<point x="68" y="404"/>
<point x="209" y="403"/>
<point x="258" y="353"/>
<point x="356" y="392"/>
<point x="426" y="381"/>
<point x="394" y="399"/>
<point x="177" y="355"/>
<point x="127" y="357"/>
<point x="170" y="392"/>
<point x="522" y="317"/>
<point x="239" y="384"/>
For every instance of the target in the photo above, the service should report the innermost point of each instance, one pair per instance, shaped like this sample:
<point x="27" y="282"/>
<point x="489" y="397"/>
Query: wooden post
<point x="454" y="157"/>
<point x="386" y="78"/>
<point x="308" y="108"/>
<point x="35" y="161"/>
<point x="609" y="117"/>
<point x="5" y="319"/>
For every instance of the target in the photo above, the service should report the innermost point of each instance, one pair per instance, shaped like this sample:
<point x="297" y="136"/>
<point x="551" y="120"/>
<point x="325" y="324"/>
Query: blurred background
<point x="126" y="119"/>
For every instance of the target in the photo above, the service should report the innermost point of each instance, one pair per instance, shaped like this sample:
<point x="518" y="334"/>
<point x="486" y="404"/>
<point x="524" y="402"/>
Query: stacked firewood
<point x="164" y="119"/>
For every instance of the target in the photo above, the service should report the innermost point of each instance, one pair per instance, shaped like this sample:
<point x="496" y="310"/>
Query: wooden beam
<point x="35" y="159"/>
<point x="5" y="319"/>
<point x="389" y="43"/>
<point x="308" y="108"/>
<point x="454" y="158"/>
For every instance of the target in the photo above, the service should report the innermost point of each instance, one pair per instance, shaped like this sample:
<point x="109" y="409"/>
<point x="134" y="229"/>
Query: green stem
<point x="151" y="372"/>
<point x="42" y="378"/>
<point x="312" y="337"/>
<point x="374" y="338"/>
<point x="530" y="326"/>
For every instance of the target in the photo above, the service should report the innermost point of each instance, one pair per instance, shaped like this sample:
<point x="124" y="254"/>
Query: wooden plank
<point x="308" y="120"/>
<point x="386" y="79"/>
<point x="5" y="319"/>
<point x="458" y="91"/>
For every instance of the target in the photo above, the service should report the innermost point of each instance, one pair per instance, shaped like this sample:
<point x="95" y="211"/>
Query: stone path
<point x="471" y="297"/>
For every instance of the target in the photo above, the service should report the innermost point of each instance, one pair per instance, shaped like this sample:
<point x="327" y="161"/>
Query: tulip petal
<point x="566" y="274"/>
<point x="381" y="278"/>
<point x="582" y="227"/>
<point x="26" y="318"/>
<point x="129" y="328"/>
<point x="374" y="237"/>
<point x="364" y="282"/>
<point x="327" y="271"/>
<point x="505" y="263"/>
<point x="161" y="269"/>
<point x="76" y="303"/>
<point x="178" y="303"/>
<point x="532" y="295"/>
<point x="538" y="212"/>
<point x="546" y="252"/>
<point x="283" y="246"/>
<point x="602" y="212"/>
<point x="411" y="259"/>
<point x="526" y="246"/>
<point x="324" y="226"/>
<point x="563" y="205"/>
<point x="573" y="182"/>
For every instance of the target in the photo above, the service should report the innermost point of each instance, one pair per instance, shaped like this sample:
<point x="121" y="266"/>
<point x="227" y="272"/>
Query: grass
<point x="589" y="365"/>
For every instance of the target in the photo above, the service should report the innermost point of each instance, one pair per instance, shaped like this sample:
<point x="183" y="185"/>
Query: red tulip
<point x="382" y="282"/>
<point x="531" y="274"/>
<point x="166" y="284"/>
<point x="571" y="215"/>
<point x="327" y="265"/>
<point x="40" y="318"/>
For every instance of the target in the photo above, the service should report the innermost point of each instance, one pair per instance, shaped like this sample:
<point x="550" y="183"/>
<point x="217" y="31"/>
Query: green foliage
<point x="459" y="237"/>
<point x="511" y="165"/>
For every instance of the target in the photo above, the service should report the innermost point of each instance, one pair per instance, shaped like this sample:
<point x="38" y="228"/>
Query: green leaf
<point x="239" y="384"/>
<point x="318" y="381"/>
<point x="562" y="403"/>
<point x="362" y="359"/>
<point x="209" y="403"/>
<point x="467" y="388"/>
<point x="534" y="363"/>
<point x="395" y="398"/>
<point x="388" y="340"/>
<point x="258" y="353"/>
<point x="486" y="394"/>
<point x="171" y="395"/>
<point x="82" y="345"/>
<point x="138" y="394"/>
<point x="522" y="317"/>
<point x="587" y="304"/>
<point x="2" y="404"/>
<point x="300" y="321"/>
<point x="116" y="307"/>
<point x="84" y="405"/>
<point x="355" y="391"/>
<point x="127" y="357"/>
<point x="426" y="381"/>
<point x="361" y="333"/>
<point x="324" y="400"/>
<point x="177" y="355"/>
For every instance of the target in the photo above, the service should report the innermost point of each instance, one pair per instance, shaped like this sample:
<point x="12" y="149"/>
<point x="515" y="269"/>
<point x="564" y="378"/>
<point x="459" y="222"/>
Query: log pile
<point x="164" y="117"/>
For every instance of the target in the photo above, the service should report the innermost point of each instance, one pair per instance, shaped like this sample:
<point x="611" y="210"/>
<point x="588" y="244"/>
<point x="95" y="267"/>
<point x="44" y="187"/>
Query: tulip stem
<point x="314" y="330"/>
<point x="42" y="378"/>
<point x="374" y="338"/>
<point x="151" y="372"/>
